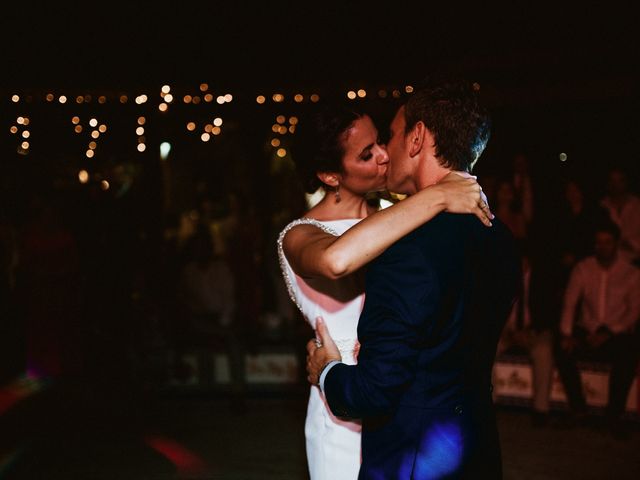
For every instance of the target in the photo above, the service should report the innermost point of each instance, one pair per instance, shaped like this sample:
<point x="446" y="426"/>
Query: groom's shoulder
<point x="441" y="232"/>
<point x="444" y="225"/>
<point x="452" y="229"/>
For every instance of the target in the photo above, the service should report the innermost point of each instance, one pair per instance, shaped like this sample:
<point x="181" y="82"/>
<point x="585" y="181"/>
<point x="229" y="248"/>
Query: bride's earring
<point x="337" y="193"/>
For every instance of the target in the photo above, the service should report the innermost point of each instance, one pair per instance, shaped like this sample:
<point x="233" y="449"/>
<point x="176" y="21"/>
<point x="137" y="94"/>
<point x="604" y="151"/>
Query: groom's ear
<point x="416" y="138"/>
<point x="329" y="178"/>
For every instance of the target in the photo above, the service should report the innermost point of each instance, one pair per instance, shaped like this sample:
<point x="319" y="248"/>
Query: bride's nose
<point x="382" y="156"/>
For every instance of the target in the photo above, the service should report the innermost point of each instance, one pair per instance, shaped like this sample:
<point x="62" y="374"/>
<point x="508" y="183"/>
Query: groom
<point x="436" y="302"/>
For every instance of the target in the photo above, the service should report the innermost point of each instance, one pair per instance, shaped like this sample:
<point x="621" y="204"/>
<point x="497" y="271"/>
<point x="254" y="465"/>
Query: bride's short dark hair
<point x="319" y="145"/>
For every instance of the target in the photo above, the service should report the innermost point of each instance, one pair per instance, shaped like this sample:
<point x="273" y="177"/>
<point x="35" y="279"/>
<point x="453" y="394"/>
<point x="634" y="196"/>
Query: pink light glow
<point x="326" y="302"/>
<point x="184" y="460"/>
<point x="21" y="388"/>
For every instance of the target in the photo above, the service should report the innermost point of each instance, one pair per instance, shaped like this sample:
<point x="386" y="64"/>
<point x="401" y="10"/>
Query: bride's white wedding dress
<point x="333" y="444"/>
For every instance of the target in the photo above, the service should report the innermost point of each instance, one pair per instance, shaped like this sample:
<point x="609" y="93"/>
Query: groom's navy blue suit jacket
<point x="435" y="304"/>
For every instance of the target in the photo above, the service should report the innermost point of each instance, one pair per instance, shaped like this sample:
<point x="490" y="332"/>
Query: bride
<point x="321" y="254"/>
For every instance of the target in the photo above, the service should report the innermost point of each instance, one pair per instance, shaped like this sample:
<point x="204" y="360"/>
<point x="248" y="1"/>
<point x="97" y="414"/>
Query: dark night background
<point x="557" y="79"/>
<point x="560" y="76"/>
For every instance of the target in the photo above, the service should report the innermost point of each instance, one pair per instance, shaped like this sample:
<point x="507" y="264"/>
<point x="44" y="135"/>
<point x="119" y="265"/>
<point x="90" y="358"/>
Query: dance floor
<point x="88" y="432"/>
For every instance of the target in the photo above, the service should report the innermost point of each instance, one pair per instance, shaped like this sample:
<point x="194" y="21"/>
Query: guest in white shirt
<point x="606" y="288"/>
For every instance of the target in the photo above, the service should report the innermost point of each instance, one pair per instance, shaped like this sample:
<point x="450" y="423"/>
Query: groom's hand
<point x="320" y="352"/>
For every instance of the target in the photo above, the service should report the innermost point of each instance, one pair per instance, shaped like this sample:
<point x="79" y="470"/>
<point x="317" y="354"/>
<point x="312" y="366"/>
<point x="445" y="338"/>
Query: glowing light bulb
<point x="165" y="149"/>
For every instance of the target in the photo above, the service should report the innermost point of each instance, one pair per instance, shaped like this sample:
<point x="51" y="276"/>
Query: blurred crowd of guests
<point x="113" y="286"/>
<point x="103" y="288"/>
<point x="580" y="293"/>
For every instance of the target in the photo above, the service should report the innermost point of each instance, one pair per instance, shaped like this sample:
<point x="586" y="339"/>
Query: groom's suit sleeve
<point x="399" y="300"/>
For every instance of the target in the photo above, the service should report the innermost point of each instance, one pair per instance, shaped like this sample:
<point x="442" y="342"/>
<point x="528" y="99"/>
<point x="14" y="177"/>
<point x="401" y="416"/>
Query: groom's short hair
<point x="451" y="110"/>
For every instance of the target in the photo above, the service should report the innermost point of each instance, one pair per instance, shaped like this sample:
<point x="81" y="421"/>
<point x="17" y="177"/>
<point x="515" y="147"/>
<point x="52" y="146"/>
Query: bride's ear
<point x="329" y="178"/>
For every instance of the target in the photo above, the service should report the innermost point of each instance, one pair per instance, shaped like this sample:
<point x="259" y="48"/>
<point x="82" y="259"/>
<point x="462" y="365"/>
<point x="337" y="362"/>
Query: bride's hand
<point x="464" y="195"/>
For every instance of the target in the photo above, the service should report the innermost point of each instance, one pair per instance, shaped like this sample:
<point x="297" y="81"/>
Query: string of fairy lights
<point x="92" y="128"/>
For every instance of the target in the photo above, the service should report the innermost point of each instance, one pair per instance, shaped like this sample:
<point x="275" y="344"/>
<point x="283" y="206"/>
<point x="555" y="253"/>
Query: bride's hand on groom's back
<point x="463" y="194"/>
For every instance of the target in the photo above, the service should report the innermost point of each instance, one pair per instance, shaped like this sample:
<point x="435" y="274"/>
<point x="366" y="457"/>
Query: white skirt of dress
<point x="333" y="444"/>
